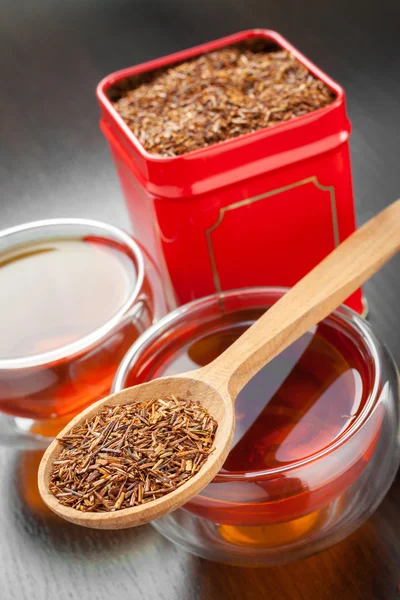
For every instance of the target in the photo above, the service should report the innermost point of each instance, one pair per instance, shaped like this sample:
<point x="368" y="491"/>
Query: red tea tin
<point x="260" y="209"/>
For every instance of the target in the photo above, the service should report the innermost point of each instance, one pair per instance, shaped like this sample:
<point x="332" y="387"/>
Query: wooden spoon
<point x="217" y="385"/>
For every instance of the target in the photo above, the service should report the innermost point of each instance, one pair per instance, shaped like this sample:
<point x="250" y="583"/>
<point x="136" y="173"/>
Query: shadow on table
<point x="39" y="525"/>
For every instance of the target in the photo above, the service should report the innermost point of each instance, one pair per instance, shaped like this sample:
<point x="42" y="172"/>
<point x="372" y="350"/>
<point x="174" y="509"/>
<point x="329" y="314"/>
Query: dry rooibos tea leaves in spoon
<point x="131" y="454"/>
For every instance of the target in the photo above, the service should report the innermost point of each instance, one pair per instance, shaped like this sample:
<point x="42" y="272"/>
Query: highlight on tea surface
<point x="219" y="96"/>
<point x="131" y="454"/>
<point x="65" y="281"/>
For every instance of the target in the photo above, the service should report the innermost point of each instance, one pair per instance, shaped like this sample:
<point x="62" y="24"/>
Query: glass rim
<point x="87" y="341"/>
<point x="343" y="313"/>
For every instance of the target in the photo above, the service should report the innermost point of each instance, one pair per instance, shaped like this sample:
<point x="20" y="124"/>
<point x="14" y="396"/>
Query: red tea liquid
<point x="295" y="407"/>
<point x="54" y="293"/>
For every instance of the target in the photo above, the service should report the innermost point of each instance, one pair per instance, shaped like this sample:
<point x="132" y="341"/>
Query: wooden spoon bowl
<point x="190" y="386"/>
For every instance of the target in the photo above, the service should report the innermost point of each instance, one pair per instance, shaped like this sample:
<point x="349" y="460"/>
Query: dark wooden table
<point x="54" y="162"/>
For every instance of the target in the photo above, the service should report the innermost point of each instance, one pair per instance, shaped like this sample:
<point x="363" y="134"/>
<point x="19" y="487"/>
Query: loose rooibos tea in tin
<point x="219" y="96"/>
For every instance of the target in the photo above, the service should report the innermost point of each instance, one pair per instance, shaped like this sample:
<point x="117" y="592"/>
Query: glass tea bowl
<point x="316" y="443"/>
<point x="76" y="294"/>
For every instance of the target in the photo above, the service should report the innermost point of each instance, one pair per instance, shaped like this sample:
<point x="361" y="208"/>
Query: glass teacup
<point x="76" y="294"/>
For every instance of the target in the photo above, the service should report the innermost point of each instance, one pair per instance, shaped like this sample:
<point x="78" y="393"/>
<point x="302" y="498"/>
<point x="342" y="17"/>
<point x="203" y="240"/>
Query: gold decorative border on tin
<point x="241" y="203"/>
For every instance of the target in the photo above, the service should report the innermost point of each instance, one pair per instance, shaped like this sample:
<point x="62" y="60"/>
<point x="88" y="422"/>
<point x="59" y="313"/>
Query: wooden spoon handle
<point x="312" y="299"/>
